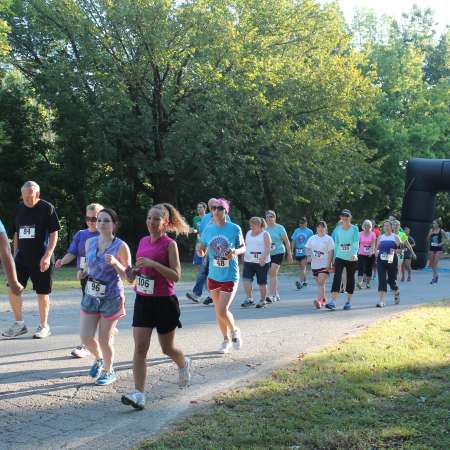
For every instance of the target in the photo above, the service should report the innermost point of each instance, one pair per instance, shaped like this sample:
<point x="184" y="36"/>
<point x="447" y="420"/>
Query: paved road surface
<point x="48" y="402"/>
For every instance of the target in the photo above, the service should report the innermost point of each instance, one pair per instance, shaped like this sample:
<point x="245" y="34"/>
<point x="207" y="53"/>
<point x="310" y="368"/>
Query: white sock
<point x="20" y="322"/>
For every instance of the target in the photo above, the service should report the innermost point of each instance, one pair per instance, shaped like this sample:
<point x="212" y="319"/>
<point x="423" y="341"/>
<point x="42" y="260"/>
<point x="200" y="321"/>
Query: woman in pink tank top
<point x="366" y="254"/>
<point x="157" y="269"/>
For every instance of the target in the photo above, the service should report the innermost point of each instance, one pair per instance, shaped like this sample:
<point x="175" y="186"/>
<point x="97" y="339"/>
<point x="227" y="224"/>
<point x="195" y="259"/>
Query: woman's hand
<point x="110" y="259"/>
<point x="144" y="262"/>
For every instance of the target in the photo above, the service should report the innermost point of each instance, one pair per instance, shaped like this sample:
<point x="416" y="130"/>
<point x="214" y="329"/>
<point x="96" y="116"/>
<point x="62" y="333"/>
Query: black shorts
<point x="252" y="269"/>
<point x="300" y="258"/>
<point x="316" y="272"/>
<point x="42" y="281"/>
<point x="162" y="313"/>
<point x="277" y="259"/>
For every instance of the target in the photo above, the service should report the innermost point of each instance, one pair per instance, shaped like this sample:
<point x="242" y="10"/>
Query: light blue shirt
<point x="218" y="240"/>
<point x="300" y="237"/>
<point x="206" y="220"/>
<point x="346" y="242"/>
<point x="2" y="228"/>
<point x="276" y="233"/>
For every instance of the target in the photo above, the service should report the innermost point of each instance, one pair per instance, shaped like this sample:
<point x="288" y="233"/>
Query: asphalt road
<point x="47" y="401"/>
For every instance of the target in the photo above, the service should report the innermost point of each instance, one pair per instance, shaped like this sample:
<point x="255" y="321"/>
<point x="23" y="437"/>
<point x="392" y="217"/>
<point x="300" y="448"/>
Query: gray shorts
<point x="109" y="308"/>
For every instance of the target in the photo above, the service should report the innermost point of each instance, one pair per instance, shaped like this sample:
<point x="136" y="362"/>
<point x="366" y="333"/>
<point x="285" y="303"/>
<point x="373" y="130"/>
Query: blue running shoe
<point x="96" y="368"/>
<point x="106" y="378"/>
<point x="347" y="306"/>
<point x="331" y="305"/>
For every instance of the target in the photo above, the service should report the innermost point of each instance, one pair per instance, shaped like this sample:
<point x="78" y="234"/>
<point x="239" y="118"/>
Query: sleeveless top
<point x="387" y="245"/>
<point x="100" y="270"/>
<point x="365" y="243"/>
<point x="158" y="251"/>
<point x="436" y="241"/>
<point x="255" y="247"/>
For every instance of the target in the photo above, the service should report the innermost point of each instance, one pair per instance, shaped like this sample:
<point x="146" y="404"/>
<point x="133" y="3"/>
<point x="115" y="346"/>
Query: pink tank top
<point x="365" y="241"/>
<point x="158" y="251"/>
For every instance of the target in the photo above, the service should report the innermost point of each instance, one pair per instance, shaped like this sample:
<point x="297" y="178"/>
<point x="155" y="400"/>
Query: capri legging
<point x="387" y="274"/>
<point x="339" y="265"/>
<point x="365" y="265"/>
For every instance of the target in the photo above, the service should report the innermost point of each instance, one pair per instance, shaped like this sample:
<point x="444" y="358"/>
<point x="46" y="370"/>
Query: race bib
<point x="388" y="257"/>
<point x="256" y="256"/>
<point x="145" y="285"/>
<point x="82" y="262"/>
<point x="368" y="249"/>
<point x="345" y="248"/>
<point x="221" y="263"/>
<point x="299" y="252"/>
<point x="95" y="288"/>
<point x="273" y="246"/>
<point x="318" y="254"/>
<point x="435" y="244"/>
<point x="27" y="232"/>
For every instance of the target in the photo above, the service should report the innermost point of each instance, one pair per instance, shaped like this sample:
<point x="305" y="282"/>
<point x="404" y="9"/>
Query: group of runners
<point x="104" y="262"/>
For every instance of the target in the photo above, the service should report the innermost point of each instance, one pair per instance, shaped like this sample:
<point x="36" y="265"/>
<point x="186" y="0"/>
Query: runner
<point x="224" y="243"/>
<point x="320" y="248"/>
<point x="196" y="293"/>
<point x="366" y="254"/>
<point x="280" y="244"/>
<point x="103" y="304"/>
<point x="299" y="238"/>
<point x="256" y="260"/>
<point x="407" y="256"/>
<point x="377" y="231"/>
<point x="436" y="237"/>
<point x="346" y="256"/>
<point x="77" y="251"/>
<point x="156" y="306"/>
<point x="8" y="262"/>
<point x="404" y="243"/>
<point x="387" y="261"/>
<point x="36" y="228"/>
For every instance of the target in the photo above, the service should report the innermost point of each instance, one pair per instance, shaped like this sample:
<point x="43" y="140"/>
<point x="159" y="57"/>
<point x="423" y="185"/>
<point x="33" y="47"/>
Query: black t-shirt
<point x="33" y="227"/>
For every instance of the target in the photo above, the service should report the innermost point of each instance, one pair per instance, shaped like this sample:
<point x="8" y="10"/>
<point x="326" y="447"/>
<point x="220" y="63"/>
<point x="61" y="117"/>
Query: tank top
<point x="159" y="286"/>
<point x="365" y="243"/>
<point x="254" y="247"/>
<point x="98" y="269"/>
<point x="387" y="247"/>
<point x="436" y="241"/>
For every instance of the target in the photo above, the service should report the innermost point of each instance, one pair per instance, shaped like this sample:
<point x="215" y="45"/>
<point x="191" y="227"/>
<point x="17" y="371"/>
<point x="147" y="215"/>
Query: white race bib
<point x="256" y="256"/>
<point x="82" y="262"/>
<point x="435" y="244"/>
<point x="27" y="232"/>
<point x="368" y="249"/>
<point x="299" y="252"/>
<point x="388" y="257"/>
<point x="318" y="254"/>
<point x="221" y="263"/>
<point x="95" y="288"/>
<point x="145" y="285"/>
<point x="345" y="248"/>
<point x="272" y="246"/>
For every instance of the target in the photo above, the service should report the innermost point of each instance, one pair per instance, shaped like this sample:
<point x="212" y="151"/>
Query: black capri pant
<point x="339" y="265"/>
<point x="365" y="265"/>
<point x="387" y="274"/>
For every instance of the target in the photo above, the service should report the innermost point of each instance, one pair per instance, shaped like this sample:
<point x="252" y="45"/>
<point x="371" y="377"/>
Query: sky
<point x="395" y="8"/>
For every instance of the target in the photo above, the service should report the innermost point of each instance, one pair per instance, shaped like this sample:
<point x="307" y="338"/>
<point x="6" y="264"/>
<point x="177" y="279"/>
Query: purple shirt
<point x="78" y="244"/>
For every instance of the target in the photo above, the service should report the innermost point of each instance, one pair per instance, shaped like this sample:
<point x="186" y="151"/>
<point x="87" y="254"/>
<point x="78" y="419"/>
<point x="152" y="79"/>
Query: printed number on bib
<point x="82" y="262"/>
<point x="388" y="257"/>
<point x="95" y="288"/>
<point x="435" y="244"/>
<point x="318" y="254"/>
<point x="272" y="246"/>
<point x="221" y="263"/>
<point x="345" y="248"/>
<point x="145" y="285"/>
<point x="27" y="232"/>
<point x="367" y="249"/>
<point x="299" y="252"/>
<point x="256" y="256"/>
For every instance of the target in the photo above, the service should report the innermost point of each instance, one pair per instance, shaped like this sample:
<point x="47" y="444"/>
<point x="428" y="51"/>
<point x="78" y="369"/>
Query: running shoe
<point x="331" y="305"/>
<point x="342" y="291"/>
<point x="270" y="299"/>
<point x="368" y="285"/>
<point x="184" y="374"/>
<point x="15" y="330"/>
<point x="408" y="279"/>
<point x="134" y="399"/>
<point x="96" y="368"/>
<point x="396" y="297"/>
<point x="359" y="285"/>
<point x="225" y="347"/>
<point x="261" y="304"/>
<point x="380" y="305"/>
<point x="433" y="280"/>
<point x="236" y="339"/>
<point x="317" y="304"/>
<point x="80" y="352"/>
<point x="277" y="298"/>
<point x="191" y="296"/>
<point x="42" y="332"/>
<point x="207" y="301"/>
<point x="249" y="302"/>
<point x="347" y="306"/>
<point x="298" y="285"/>
<point x="106" y="378"/>
<point x="305" y="284"/>
<point x="324" y="302"/>
<point x="436" y="279"/>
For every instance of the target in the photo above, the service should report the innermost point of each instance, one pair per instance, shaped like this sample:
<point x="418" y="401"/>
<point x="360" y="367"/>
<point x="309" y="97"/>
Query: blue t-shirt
<point x="206" y="220"/>
<point x="218" y="240"/>
<point x="2" y="228"/>
<point x="276" y="233"/>
<point x="78" y="244"/>
<point x="300" y="237"/>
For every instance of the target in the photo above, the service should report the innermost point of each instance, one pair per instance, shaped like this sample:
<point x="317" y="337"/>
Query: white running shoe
<point x="42" y="332"/>
<point x="134" y="399"/>
<point x="236" y="339"/>
<point x="225" y="347"/>
<point x="194" y="297"/>
<point x="184" y="374"/>
<point x="15" y="330"/>
<point x="80" y="352"/>
<point x="380" y="305"/>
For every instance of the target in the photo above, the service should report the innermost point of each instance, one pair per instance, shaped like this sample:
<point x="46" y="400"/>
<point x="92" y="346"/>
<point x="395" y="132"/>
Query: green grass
<point x="387" y="388"/>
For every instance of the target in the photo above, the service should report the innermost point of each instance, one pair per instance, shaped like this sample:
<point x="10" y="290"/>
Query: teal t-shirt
<point x="276" y="233"/>
<point x="2" y="228"/>
<point x="346" y="242"/>
<point x="218" y="240"/>
<point x="300" y="236"/>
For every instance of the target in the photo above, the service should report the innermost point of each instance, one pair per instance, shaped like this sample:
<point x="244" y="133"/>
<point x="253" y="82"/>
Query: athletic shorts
<point x="316" y="272"/>
<point x="162" y="313"/>
<point x="222" y="286"/>
<point x="277" y="259"/>
<point x="251" y="269"/>
<point x="300" y="258"/>
<point x="437" y="252"/>
<point x="108" y="308"/>
<point x="42" y="281"/>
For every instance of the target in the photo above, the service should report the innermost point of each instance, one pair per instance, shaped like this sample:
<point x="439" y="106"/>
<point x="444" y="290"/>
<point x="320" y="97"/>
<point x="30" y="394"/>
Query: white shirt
<point x="255" y="247"/>
<point x="319" y="247"/>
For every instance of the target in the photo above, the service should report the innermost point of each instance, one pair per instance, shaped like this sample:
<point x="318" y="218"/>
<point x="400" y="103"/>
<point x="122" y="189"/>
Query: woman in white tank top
<point x="256" y="260"/>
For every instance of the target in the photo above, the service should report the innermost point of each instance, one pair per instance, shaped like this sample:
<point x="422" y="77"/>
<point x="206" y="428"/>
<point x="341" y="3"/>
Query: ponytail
<point x="175" y="221"/>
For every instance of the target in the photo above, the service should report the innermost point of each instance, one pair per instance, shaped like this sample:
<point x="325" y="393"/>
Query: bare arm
<point x="288" y="247"/>
<point x="66" y="259"/>
<point x="51" y="244"/>
<point x="8" y="264"/>
<point x="122" y="262"/>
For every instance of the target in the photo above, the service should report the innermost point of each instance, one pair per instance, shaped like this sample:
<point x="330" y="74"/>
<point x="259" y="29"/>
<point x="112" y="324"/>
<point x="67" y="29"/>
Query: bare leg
<point x="167" y="342"/>
<point x="273" y="275"/>
<point x="88" y="327"/>
<point x="248" y="288"/>
<point x="225" y="320"/>
<point x="105" y="331"/>
<point x="142" y="337"/>
<point x="16" y="305"/>
<point x="44" y="306"/>
<point x="263" y="291"/>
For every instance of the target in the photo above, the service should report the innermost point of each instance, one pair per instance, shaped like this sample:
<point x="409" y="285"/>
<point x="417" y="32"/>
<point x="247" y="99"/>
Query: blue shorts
<point x="251" y="269"/>
<point x="109" y="308"/>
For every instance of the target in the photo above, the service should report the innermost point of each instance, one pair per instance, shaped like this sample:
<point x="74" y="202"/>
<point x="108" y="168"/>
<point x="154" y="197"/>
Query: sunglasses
<point x="218" y="208"/>
<point x="270" y="216"/>
<point x="90" y="219"/>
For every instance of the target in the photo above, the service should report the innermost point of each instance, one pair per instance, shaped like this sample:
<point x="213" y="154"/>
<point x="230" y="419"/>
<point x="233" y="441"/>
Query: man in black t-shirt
<point x="36" y="228"/>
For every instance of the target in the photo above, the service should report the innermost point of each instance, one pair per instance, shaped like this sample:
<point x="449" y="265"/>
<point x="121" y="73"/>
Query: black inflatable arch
<point x="424" y="179"/>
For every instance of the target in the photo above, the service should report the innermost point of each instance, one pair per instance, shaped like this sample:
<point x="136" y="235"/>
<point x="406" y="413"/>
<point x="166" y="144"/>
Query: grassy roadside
<point x="387" y="388"/>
